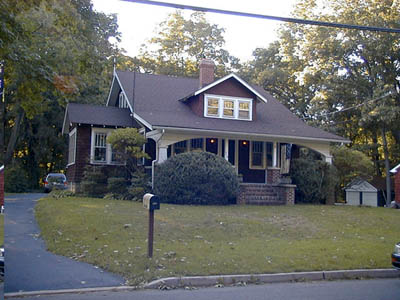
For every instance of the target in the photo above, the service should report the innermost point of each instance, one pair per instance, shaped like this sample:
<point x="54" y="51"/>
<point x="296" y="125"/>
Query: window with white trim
<point x="257" y="157"/>
<point x="72" y="147"/>
<point x="228" y="107"/>
<point x="122" y="102"/>
<point x="100" y="151"/>
<point x="100" y="147"/>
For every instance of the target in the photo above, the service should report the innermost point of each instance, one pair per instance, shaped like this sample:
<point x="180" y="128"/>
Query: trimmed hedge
<point x="199" y="178"/>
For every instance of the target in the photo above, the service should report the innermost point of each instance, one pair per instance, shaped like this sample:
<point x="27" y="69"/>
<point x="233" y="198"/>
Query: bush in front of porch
<point x="199" y="178"/>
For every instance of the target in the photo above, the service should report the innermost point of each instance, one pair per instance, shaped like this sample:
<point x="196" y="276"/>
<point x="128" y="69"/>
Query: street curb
<point x="70" y="291"/>
<point x="221" y="280"/>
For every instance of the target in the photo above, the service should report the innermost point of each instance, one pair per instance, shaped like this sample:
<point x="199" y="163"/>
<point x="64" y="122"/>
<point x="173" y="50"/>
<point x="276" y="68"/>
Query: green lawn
<point x="201" y="240"/>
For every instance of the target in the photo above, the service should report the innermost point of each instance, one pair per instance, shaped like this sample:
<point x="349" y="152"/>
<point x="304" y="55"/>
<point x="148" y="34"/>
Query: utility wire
<point x="260" y="16"/>
<point x="349" y="108"/>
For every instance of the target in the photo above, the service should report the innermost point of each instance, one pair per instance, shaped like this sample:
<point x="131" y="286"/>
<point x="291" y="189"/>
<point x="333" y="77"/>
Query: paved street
<point x="374" y="289"/>
<point x="29" y="267"/>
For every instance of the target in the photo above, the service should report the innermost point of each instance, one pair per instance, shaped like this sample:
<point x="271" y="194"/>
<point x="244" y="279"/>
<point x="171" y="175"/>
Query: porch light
<point x="212" y="141"/>
<point x="244" y="143"/>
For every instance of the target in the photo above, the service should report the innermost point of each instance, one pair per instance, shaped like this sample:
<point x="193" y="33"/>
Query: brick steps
<point x="259" y="194"/>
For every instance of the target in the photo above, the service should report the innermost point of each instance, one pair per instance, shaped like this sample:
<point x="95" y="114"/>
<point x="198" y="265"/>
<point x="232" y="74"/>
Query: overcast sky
<point x="137" y="22"/>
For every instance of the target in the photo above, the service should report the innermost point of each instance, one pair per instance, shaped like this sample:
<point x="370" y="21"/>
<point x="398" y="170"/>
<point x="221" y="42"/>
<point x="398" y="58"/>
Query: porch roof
<point x="155" y="98"/>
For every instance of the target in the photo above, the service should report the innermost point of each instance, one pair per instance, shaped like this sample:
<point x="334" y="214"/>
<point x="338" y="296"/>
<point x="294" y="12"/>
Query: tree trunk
<point x="375" y="154"/>
<point x="14" y="136"/>
<point x="387" y="168"/>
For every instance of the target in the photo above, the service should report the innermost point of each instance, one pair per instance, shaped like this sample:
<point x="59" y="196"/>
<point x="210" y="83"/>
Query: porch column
<point x="219" y="151"/>
<point x="162" y="154"/>
<point x="275" y="154"/>
<point x="226" y="152"/>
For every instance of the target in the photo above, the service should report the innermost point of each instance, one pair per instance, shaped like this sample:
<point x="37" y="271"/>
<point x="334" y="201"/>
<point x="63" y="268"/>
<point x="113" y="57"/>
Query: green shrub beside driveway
<point x="202" y="240"/>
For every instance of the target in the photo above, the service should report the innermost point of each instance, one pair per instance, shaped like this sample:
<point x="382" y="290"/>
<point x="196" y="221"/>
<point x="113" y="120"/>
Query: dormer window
<point x="122" y="103"/>
<point x="225" y="107"/>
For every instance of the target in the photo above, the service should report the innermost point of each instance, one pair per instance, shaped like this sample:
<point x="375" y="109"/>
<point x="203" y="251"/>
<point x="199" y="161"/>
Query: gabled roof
<point x="155" y="100"/>
<point x="211" y="85"/>
<point x="360" y="185"/>
<point x="97" y="115"/>
<point x="395" y="169"/>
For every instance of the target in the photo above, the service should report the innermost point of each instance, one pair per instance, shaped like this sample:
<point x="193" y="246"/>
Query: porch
<point x="262" y="163"/>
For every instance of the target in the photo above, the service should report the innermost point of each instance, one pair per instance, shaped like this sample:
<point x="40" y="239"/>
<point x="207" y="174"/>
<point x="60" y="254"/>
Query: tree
<point x="180" y="45"/>
<point x="127" y="143"/>
<point x="345" y="76"/>
<point x="54" y="52"/>
<point x="351" y="164"/>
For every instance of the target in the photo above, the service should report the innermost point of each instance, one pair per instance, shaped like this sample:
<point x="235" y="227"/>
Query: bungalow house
<point x="228" y="116"/>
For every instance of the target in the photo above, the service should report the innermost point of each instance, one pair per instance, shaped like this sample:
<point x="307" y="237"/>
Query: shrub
<point x="140" y="185"/>
<point x="196" y="178"/>
<point x="315" y="180"/>
<point x="117" y="187"/>
<point x="16" y="180"/>
<point x="94" y="183"/>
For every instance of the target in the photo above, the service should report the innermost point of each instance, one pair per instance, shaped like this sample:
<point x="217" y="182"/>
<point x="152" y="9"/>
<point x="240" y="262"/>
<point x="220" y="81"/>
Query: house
<point x="361" y="192"/>
<point x="228" y="116"/>
<point x="396" y="171"/>
<point x="1" y="188"/>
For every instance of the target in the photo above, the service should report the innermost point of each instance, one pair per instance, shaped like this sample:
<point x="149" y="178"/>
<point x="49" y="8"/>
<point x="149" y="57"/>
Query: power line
<point x="349" y="108"/>
<point x="267" y="17"/>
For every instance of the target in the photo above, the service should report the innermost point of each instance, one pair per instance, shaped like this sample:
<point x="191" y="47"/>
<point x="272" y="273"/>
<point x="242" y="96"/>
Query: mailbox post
<point x="151" y="203"/>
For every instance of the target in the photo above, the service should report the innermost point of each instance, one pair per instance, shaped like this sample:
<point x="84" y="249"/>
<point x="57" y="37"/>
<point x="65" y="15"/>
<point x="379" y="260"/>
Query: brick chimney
<point x="206" y="72"/>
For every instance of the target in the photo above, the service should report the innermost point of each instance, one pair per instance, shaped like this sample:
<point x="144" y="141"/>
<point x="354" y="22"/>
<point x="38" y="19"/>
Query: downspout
<point x="156" y="160"/>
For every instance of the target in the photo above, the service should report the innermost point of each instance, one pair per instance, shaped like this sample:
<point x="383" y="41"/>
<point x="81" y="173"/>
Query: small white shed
<point x="361" y="192"/>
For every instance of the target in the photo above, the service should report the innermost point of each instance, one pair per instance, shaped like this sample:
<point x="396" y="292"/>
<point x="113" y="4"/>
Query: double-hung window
<point x="101" y="152"/>
<point x="100" y="147"/>
<point x="225" y="107"/>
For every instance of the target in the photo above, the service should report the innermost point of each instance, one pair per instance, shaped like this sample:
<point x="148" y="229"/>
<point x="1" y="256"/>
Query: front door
<point x="249" y="175"/>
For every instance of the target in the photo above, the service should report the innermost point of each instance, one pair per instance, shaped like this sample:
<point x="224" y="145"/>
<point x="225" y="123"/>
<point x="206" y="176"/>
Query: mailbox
<point x="151" y="202"/>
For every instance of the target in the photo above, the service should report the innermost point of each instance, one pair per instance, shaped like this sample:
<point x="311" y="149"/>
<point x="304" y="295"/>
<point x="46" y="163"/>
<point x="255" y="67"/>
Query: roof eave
<point x="250" y="134"/>
<point x="232" y="75"/>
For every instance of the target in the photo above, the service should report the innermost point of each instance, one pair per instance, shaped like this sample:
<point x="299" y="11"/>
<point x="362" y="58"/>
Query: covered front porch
<point x="256" y="158"/>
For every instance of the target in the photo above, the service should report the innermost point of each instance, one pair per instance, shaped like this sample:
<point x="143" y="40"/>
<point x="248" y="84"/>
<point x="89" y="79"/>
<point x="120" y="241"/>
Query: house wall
<point x="2" y="187"/>
<point x="397" y="187"/>
<point x="75" y="171"/>
<point x="230" y="87"/>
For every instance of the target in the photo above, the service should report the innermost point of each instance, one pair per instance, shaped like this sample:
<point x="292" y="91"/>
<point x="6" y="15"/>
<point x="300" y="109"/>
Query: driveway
<point x="29" y="267"/>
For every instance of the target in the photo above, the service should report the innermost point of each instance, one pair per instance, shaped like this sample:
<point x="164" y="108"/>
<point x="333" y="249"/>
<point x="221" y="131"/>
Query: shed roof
<point x="360" y="185"/>
<point x="97" y="115"/>
<point x="155" y="99"/>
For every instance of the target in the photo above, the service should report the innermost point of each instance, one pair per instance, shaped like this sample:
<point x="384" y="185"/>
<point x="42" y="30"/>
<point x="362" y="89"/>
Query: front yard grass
<point x="212" y="240"/>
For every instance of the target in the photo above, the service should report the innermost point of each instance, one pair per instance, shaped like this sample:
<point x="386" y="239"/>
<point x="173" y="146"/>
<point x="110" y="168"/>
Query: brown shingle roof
<point x="156" y="100"/>
<point x="99" y="115"/>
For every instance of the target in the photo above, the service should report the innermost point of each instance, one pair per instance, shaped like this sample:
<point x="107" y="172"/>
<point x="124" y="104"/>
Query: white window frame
<point x="73" y="135"/>
<point x="236" y="101"/>
<point x="108" y="160"/>
<point x="263" y="156"/>
<point x="122" y="102"/>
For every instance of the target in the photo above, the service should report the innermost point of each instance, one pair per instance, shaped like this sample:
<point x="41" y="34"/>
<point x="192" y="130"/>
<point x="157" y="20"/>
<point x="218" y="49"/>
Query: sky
<point x="138" y="22"/>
